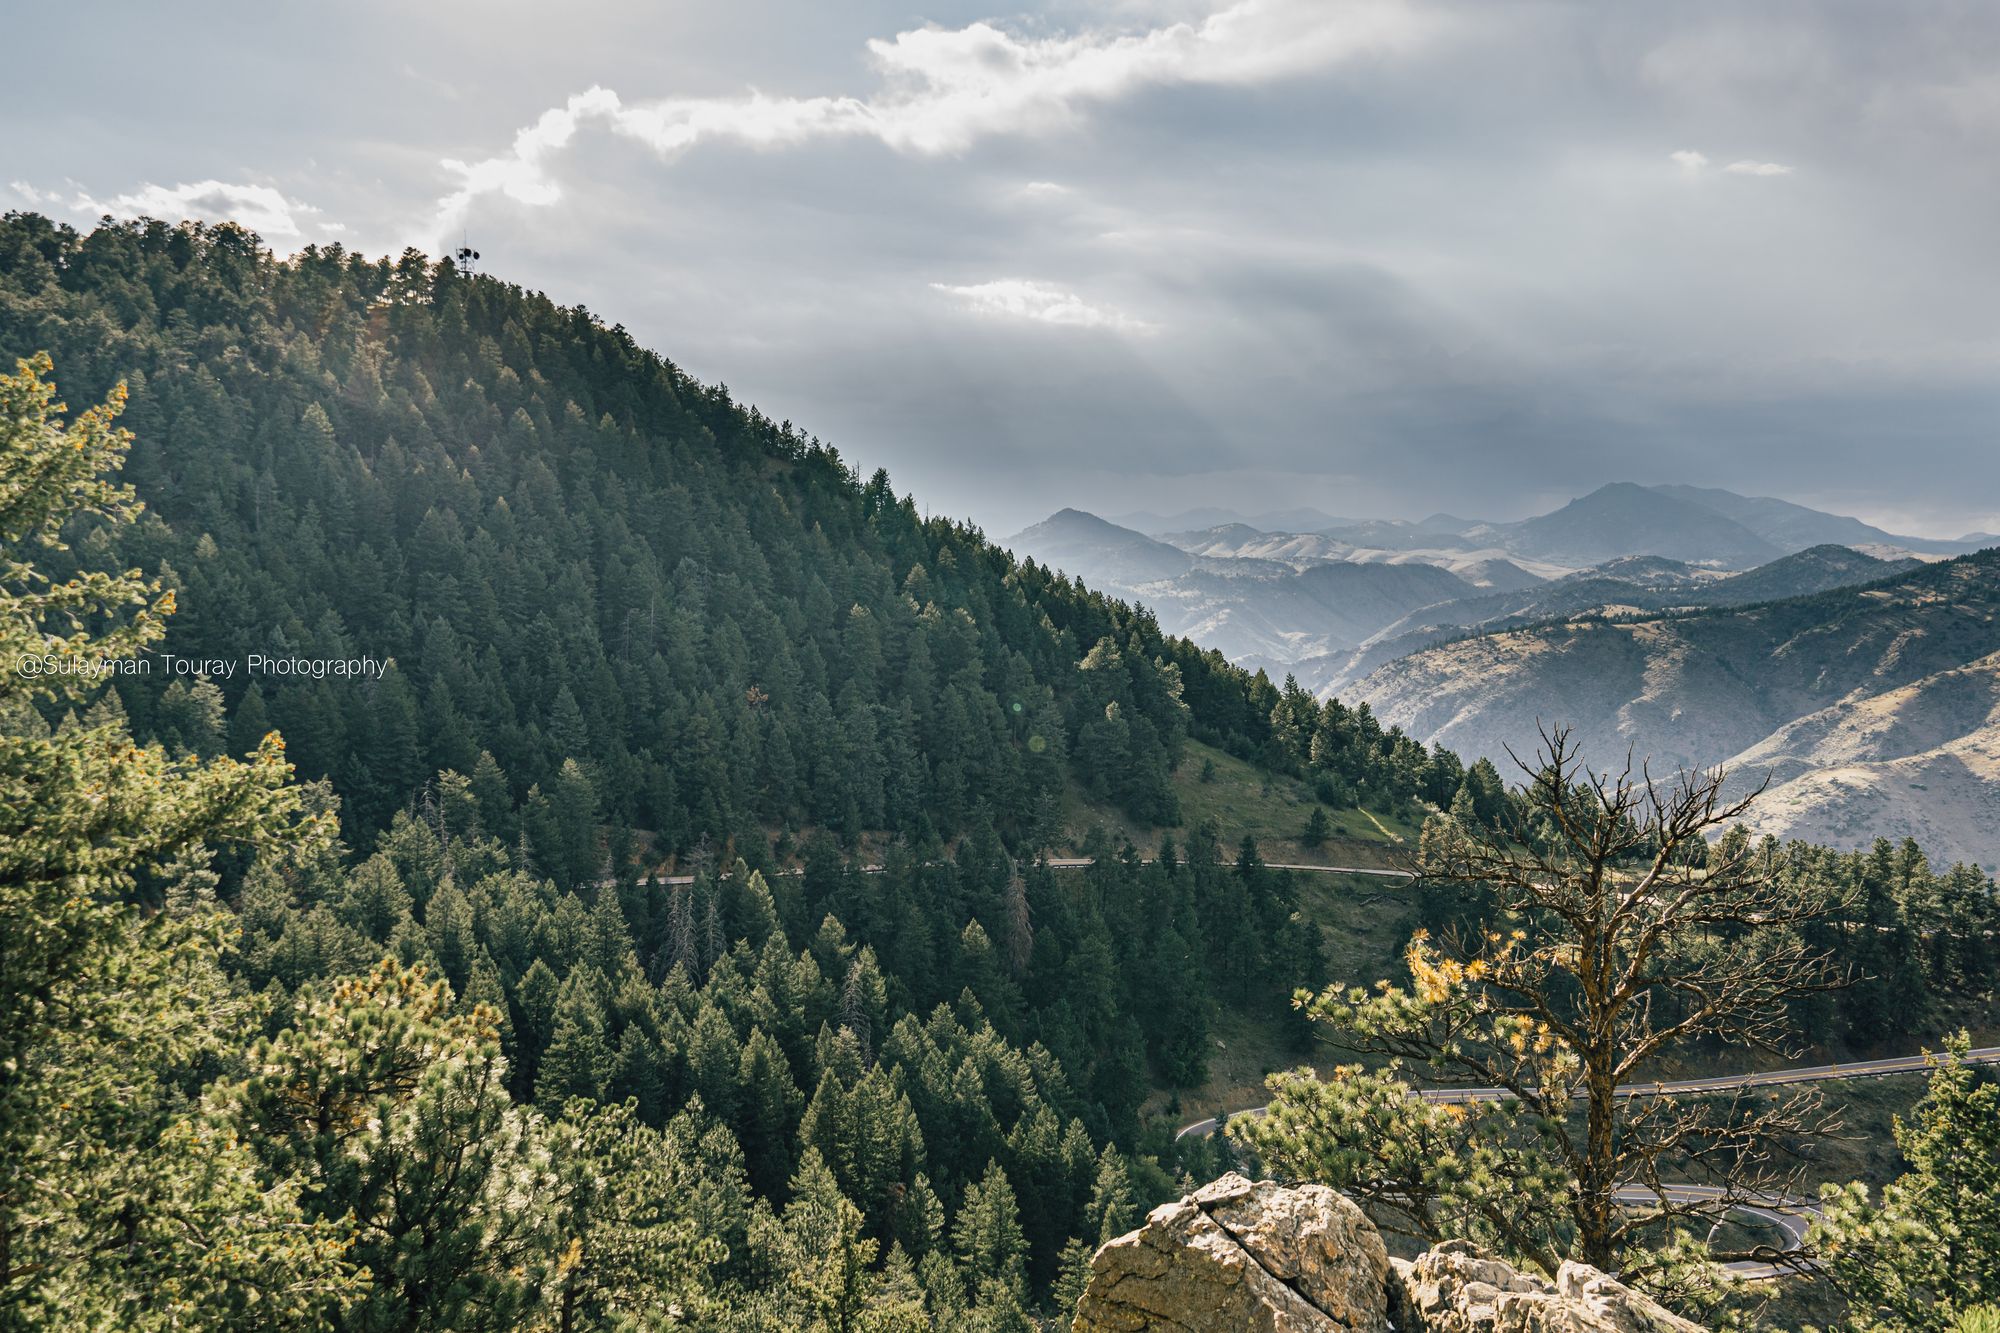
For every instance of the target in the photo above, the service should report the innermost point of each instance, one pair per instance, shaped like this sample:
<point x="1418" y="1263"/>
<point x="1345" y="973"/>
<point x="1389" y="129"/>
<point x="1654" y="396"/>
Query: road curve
<point x="1792" y="1218"/>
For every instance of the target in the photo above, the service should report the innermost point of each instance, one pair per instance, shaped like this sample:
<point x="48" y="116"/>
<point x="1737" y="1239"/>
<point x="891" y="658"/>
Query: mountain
<point x="1791" y="526"/>
<point x="1451" y="523"/>
<point x="1699" y="525"/>
<point x="1635" y="583"/>
<point x="1278" y="520"/>
<point x="1722" y="686"/>
<point x="1627" y="519"/>
<point x="1109" y="555"/>
<point x="622" y="624"/>
<point x="1256" y="610"/>
<point x="624" y="591"/>
<point x="1648" y="549"/>
<point x="1240" y="541"/>
<point x="1306" y="519"/>
<point x="1142" y="520"/>
<point x="1815" y="569"/>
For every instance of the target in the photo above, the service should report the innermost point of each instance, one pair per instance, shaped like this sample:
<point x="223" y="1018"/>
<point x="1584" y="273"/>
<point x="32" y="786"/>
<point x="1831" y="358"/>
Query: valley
<point x="1180" y="666"/>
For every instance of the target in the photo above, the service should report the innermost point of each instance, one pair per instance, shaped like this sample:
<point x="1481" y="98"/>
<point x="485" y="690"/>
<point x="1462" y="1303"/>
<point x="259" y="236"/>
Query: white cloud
<point x="944" y="89"/>
<point x="1693" y="163"/>
<point x="261" y="208"/>
<point x="1044" y="189"/>
<point x="1747" y="168"/>
<point x="33" y="197"/>
<point x="1041" y="302"/>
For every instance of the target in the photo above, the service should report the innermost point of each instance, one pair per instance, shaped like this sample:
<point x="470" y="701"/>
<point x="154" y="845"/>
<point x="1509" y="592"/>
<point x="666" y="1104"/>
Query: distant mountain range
<point x="1700" y="525"/>
<point x="1632" y="583"/>
<point x="1858" y="668"/>
<point x="1259" y="592"/>
<point x="1263" y="612"/>
<point x="1276" y="520"/>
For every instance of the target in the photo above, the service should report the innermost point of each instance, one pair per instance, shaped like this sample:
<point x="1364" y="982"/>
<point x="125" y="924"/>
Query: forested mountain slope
<point x="628" y="618"/>
<point x="571" y="550"/>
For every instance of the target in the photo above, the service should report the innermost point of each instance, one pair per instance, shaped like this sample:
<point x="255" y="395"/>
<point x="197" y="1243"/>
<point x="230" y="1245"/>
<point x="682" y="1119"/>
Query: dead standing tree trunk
<point x="1619" y="934"/>
<point x="1628" y="910"/>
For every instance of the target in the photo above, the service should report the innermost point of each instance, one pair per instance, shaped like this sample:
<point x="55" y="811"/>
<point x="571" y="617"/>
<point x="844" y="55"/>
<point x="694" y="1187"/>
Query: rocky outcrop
<point x="1457" y="1289"/>
<point x="1249" y="1258"/>
<point x="1244" y="1257"/>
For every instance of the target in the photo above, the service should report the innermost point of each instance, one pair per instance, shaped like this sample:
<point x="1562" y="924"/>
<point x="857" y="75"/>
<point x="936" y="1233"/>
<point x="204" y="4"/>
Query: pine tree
<point x="769" y="1109"/>
<point x="394" y="1109"/>
<point x="1929" y="1252"/>
<point x="821" y="1259"/>
<point x="118" y="1207"/>
<point x="579" y="1062"/>
<point x="633" y="1252"/>
<point x="1072" y="1276"/>
<point x="1112" y="1211"/>
<point x="987" y="1233"/>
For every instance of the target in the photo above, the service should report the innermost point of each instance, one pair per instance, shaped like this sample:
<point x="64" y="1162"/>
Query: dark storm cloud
<point x="1376" y="257"/>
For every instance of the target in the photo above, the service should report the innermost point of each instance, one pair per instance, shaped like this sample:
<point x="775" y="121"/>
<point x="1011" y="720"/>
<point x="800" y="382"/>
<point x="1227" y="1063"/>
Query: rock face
<point x="1243" y="1257"/>
<point x="1246" y="1258"/>
<point x="1456" y="1289"/>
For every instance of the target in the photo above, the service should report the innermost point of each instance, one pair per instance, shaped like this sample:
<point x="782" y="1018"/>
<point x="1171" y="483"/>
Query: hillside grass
<point x="1243" y="800"/>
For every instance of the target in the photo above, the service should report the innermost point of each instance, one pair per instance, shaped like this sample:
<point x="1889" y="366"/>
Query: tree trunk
<point x="1599" y="1205"/>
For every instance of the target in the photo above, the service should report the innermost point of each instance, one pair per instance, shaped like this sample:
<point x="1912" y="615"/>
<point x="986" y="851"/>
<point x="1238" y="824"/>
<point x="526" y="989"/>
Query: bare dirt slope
<point x="1922" y="761"/>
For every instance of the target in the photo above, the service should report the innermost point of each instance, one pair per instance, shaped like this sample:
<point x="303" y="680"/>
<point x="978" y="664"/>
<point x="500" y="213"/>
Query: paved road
<point x="1083" y="863"/>
<point x="1790" y="1216"/>
<point x="1898" y="1064"/>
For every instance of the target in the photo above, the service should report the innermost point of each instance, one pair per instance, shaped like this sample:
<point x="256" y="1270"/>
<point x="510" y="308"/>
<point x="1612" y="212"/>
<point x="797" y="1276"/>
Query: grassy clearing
<point x="1242" y="800"/>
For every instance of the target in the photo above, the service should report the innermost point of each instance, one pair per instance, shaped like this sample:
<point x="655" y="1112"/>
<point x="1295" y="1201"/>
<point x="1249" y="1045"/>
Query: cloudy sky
<point x="1383" y="258"/>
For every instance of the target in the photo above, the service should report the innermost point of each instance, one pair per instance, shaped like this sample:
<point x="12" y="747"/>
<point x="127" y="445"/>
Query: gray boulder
<point x="1238" y="1256"/>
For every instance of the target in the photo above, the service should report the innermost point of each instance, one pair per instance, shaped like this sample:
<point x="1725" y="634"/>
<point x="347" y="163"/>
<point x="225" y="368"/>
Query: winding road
<point x="1790" y="1216"/>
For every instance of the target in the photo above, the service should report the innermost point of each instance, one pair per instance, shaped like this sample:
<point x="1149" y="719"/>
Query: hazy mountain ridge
<point x="1815" y="569"/>
<point x="1784" y="523"/>
<point x="1265" y="612"/>
<point x="1704" y="526"/>
<point x="1625" y="518"/>
<point x="1232" y="586"/>
<point x="1482" y="567"/>
<point x="1090" y="547"/>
